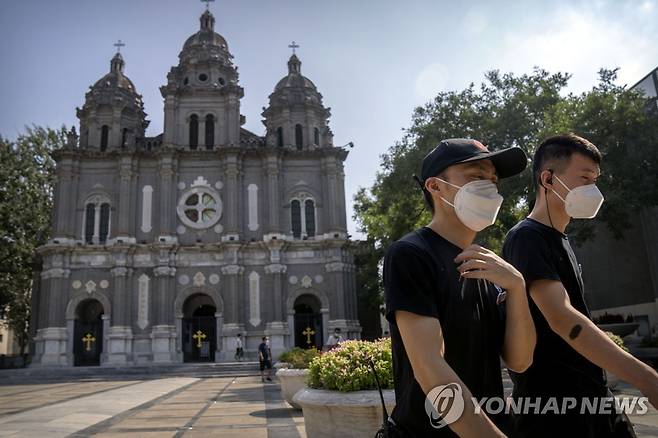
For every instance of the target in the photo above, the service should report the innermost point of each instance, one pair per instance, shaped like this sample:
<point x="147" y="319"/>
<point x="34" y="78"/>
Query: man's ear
<point x="433" y="184"/>
<point x="546" y="178"/>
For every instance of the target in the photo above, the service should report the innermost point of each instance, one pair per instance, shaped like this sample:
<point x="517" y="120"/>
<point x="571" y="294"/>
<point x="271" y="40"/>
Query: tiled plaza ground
<point x="175" y="406"/>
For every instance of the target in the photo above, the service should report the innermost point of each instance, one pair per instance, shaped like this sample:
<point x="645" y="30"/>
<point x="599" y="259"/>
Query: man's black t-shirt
<point x="542" y="252"/>
<point x="420" y="276"/>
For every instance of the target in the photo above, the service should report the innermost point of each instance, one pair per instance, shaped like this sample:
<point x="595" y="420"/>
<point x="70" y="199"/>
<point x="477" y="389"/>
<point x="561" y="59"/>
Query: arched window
<point x="194" y="131"/>
<point x="104" y="227"/>
<point x="296" y="217"/>
<point x="210" y="131"/>
<point x="90" y="214"/>
<point x="299" y="137"/>
<point x="316" y="136"/>
<point x="97" y="219"/>
<point x="279" y="137"/>
<point x="309" y="214"/>
<point x="105" y="132"/>
<point x="124" y="135"/>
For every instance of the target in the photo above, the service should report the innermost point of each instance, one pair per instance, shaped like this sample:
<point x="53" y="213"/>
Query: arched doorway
<point x="88" y="333"/>
<point x="308" y="322"/>
<point x="199" y="329"/>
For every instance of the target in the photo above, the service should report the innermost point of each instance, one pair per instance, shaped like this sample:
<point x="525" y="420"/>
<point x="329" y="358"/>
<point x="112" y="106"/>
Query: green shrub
<point x="299" y="357"/>
<point x="346" y="368"/>
<point x="617" y="340"/>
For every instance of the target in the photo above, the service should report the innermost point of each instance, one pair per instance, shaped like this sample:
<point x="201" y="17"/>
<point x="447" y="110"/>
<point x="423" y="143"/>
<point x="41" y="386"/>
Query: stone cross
<point x="88" y="339"/>
<point x="119" y="44"/>
<point x="207" y="2"/>
<point x="308" y="332"/>
<point x="199" y="336"/>
<point x="294" y="46"/>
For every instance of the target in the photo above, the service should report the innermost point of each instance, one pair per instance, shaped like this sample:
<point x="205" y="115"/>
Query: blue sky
<point x="373" y="61"/>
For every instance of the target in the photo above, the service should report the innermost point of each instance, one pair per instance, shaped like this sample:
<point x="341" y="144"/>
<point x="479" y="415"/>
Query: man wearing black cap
<point x="455" y="308"/>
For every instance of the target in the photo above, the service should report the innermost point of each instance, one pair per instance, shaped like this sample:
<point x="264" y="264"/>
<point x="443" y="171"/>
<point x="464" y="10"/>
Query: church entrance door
<point x="199" y="329"/>
<point x="88" y="334"/>
<point x="308" y="322"/>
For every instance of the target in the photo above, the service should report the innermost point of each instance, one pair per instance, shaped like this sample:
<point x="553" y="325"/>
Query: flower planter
<point x="620" y="329"/>
<point x="292" y="380"/>
<point x="329" y="414"/>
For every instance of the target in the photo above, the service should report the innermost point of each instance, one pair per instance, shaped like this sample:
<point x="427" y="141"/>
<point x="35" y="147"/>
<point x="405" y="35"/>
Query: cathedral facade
<point x="165" y="248"/>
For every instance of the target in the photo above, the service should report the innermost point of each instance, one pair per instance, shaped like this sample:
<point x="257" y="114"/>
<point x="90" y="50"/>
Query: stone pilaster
<point x="163" y="333"/>
<point x="233" y="281"/>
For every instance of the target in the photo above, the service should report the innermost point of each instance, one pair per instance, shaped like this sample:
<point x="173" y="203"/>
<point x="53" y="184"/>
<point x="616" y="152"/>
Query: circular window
<point x="200" y="207"/>
<point x="203" y="77"/>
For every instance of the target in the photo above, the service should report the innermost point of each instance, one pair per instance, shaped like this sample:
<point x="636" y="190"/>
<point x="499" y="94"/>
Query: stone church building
<point x="165" y="248"/>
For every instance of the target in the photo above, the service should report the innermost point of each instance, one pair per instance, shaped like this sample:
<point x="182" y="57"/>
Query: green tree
<point x="27" y="174"/>
<point x="508" y="110"/>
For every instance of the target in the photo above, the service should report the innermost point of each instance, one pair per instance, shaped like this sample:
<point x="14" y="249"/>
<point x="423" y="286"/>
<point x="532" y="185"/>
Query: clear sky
<point x="373" y="60"/>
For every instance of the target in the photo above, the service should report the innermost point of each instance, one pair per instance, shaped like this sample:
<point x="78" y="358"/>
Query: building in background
<point x="164" y="248"/>
<point x="621" y="276"/>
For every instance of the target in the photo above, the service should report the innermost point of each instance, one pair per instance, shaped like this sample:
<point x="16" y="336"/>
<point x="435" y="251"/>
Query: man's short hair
<point x="264" y="338"/>
<point x="555" y="152"/>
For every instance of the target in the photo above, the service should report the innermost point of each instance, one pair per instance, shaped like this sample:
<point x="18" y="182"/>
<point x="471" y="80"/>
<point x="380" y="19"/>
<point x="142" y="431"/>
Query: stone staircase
<point x="201" y="370"/>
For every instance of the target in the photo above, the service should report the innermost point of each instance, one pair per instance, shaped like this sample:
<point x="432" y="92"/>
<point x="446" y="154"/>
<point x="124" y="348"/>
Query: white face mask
<point x="582" y="202"/>
<point x="476" y="203"/>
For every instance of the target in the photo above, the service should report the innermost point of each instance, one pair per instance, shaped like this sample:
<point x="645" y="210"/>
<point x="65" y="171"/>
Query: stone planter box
<point x="329" y="414"/>
<point x="620" y="329"/>
<point x="292" y="380"/>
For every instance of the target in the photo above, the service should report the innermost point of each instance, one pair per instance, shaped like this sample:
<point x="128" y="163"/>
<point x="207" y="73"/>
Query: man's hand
<point x="479" y="262"/>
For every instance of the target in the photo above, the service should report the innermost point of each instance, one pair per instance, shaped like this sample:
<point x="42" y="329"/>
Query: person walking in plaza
<point x="264" y="359"/>
<point x="239" y="351"/>
<point x="455" y="307"/>
<point x="571" y="350"/>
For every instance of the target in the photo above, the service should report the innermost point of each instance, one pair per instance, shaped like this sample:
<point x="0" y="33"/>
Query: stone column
<point x="62" y="201"/>
<point x="330" y="202"/>
<point x="170" y="136"/>
<point x="233" y="195"/>
<point x="277" y="270"/>
<point x="163" y="333"/>
<point x="125" y="188"/>
<point x="273" y="195"/>
<point x="233" y="282"/>
<point x="166" y="192"/>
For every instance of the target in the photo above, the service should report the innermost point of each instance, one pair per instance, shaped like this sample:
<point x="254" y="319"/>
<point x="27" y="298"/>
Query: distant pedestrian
<point x="334" y="339"/>
<point x="239" y="351"/>
<point x="264" y="360"/>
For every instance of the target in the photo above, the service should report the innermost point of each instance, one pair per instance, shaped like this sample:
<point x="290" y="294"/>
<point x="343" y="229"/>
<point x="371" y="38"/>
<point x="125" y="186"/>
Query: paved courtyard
<point x="192" y="405"/>
<point x="169" y="407"/>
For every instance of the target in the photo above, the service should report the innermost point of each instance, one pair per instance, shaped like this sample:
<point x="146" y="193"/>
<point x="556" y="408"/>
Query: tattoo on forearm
<point x="575" y="331"/>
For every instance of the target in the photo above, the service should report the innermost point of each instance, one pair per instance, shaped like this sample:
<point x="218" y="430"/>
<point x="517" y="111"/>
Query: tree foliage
<point x="509" y="110"/>
<point x="27" y="174"/>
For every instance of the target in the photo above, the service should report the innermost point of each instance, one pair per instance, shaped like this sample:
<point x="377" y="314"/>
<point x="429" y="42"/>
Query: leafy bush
<point x="617" y="340"/>
<point x="346" y="368"/>
<point x="299" y="357"/>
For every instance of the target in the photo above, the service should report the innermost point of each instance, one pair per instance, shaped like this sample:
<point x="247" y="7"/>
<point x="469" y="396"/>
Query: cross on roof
<point x="294" y="46"/>
<point x="207" y="2"/>
<point x="119" y="44"/>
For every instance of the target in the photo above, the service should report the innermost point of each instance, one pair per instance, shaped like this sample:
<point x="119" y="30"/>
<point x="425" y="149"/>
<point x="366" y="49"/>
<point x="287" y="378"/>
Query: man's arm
<point x="590" y="341"/>
<point x="423" y="342"/>
<point x="520" y="334"/>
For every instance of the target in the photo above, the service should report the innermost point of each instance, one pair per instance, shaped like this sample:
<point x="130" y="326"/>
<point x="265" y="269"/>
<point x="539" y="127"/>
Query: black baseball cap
<point x="508" y="162"/>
